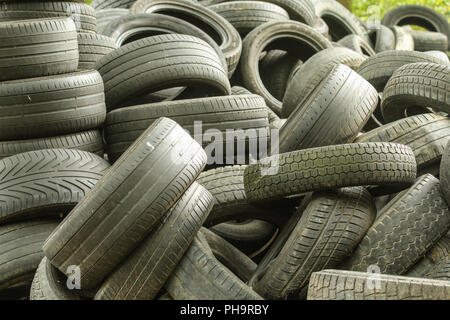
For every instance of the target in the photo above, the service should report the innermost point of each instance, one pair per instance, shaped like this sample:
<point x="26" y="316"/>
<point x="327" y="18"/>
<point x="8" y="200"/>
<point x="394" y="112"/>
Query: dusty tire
<point x="416" y="85"/>
<point x="350" y="285"/>
<point x="327" y="232"/>
<point x="51" y="106"/>
<point x="313" y="71"/>
<point x="444" y="173"/>
<point x="125" y="125"/>
<point x="129" y="186"/>
<point x="92" y="47"/>
<point x="276" y="35"/>
<point x="82" y="14"/>
<point x="174" y="61"/>
<point x="105" y="16"/>
<point x="342" y="103"/>
<point x="425" y="134"/>
<point x="146" y="270"/>
<point x="330" y="167"/>
<point x="358" y="44"/>
<point x="436" y="263"/>
<point x="247" y="15"/>
<point x="403" y="39"/>
<point x="339" y="19"/>
<point x="90" y="141"/>
<point x="46" y="182"/>
<point x="380" y="68"/>
<point x="383" y="39"/>
<point x="217" y="27"/>
<point x="417" y="15"/>
<point x="21" y="250"/>
<point x="397" y="239"/>
<point x="50" y="284"/>
<point x="200" y="276"/>
<point x="31" y="49"/>
<point x="429" y="41"/>
<point x="108" y="4"/>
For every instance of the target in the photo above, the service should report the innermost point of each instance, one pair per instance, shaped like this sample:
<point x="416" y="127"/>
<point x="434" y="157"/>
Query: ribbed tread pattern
<point x="92" y="47"/>
<point x="127" y="203"/>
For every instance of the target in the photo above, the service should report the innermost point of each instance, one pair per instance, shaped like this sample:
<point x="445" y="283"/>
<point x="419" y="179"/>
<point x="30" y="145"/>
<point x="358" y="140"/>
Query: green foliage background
<point x="368" y="9"/>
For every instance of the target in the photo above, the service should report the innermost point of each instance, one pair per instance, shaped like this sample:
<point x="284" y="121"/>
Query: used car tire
<point x="276" y="35"/>
<point x="330" y="167"/>
<point x="37" y="48"/>
<point x="383" y="39"/>
<point x="341" y="285"/>
<point x="426" y="134"/>
<point x="92" y="47"/>
<point x="163" y="151"/>
<point x="444" y="173"/>
<point x="146" y="270"/>
<point x="406" y="228"/>
<point x="429" y="41"/>
<point x="329" y="229"/>
<point x="46" y="182"/>
<point x="50" y="106"/>
<point x="416" y="85"/>
<point x="172" y="60"/>
<point x="342" y="103"/>
<point x="90" y="141"/>
<point x="403" y="39"/>
<point x="358" y="44"/>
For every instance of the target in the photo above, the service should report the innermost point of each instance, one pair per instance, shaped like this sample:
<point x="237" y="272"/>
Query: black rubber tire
<point x="313" y="71"/>
<point x="249" y="236"/>
<point x="105" y="16"/>
<point x="217" y="27"/>
<point x="439" y="54"/>
<point x="301" y="11"/>
<point x="273" y="118"/>
<point x="321" y="26"/>
<point x="90" y="141"/>
<point x="108" y="4"/>
<point x="425" y="134"/>
<point x="358" y="44"/>
<point x="350" y="285"/>
<point x="92" y="47"/>
<point x="50" y="106"/>
<point x="50" y="284"/>
<point x="46" y="182"/>
<point x="37" y="48"/>
<point x="327" y="232"/>
<point x="383" y="39"/>
<point x="82" y="14"/>
<point x="294" y="37"/>
<point x="247" y="15"/>
<point x="163" y="151"/>
<point x="403" y="39"/>
<point x="147" y="269"/>
<point x="172" y="60"/>
<point x="444" y="173"/>
<point x="429" y="41"/>
<point x="380" y="68"/>
<point x="231" y="257"/>
<point x="330" y="167"/>
<point x="436" y="263"/>
<point x="137" y="26"/>
<point x="416" y="85"/>
<point x="342" y="103"/>
<point x="284" y="64"/>
<point x="417" y="15"/>
<point x="406" y="228"/>
<point x="200" y="276"/>
<point x="124" y="125"/>
<point x="340" y="20"/>
<point x="21" y="250"/>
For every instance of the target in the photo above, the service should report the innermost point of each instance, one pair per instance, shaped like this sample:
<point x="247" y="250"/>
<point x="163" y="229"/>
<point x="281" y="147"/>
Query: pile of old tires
<point x="109" y="190"/>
